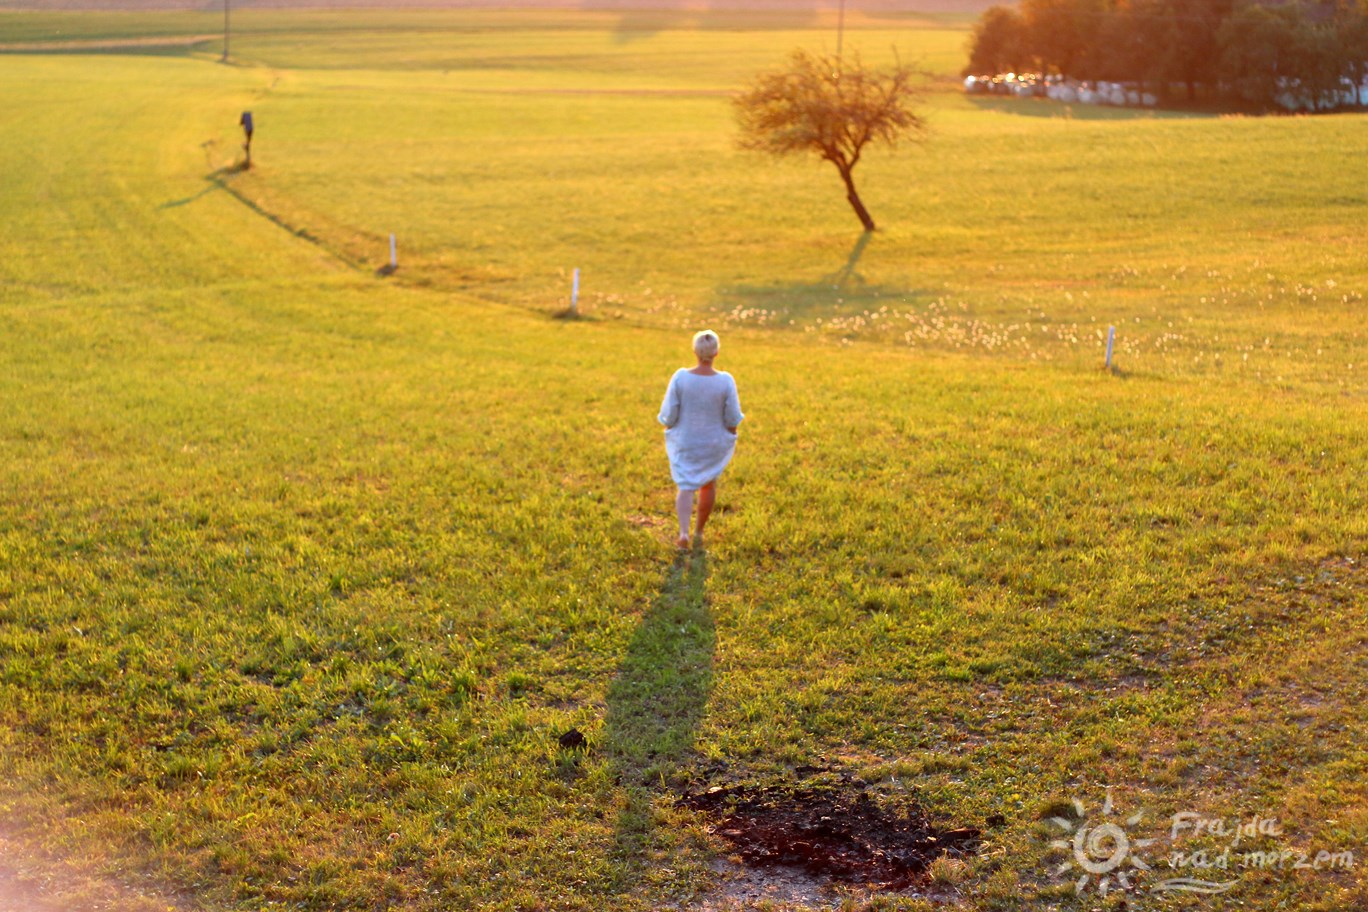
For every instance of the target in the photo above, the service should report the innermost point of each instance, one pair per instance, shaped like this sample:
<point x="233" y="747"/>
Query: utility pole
<point x="225" y="31"/>
<point x="840" y="29"/>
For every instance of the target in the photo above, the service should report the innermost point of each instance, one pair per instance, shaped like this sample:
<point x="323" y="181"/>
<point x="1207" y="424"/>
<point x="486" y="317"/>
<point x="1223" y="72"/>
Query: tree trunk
<point x="854" y="199"/>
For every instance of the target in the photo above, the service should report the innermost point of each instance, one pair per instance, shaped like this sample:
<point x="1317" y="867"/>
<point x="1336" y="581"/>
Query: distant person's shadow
<point x="656" y="702"/>
<point x="185" y="201"/>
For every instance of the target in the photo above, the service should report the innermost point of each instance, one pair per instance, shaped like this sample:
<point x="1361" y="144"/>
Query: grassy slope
<point x="296" y="559"/>
<point x="518" y="154"/>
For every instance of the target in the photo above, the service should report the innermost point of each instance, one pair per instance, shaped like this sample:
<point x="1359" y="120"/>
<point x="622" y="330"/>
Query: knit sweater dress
<point x="696" y="413"/>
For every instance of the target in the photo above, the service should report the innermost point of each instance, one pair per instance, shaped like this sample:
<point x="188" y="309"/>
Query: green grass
<point x="1017" y="229"/>
<point x="304" y="570"/>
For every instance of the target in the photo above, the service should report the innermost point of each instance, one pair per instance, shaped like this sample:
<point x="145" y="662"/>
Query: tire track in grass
<point x="104" y="44"/>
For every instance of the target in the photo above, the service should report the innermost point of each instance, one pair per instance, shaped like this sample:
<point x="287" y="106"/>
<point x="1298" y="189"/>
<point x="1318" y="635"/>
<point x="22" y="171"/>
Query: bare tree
<point x="832" y="108"/>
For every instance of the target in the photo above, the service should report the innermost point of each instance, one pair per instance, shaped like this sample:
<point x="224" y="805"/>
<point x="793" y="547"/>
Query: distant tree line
<point x="1258" y="52"/>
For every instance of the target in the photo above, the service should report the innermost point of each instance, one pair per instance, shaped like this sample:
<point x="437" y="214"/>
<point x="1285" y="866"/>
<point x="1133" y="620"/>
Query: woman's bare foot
<point x="681" y="542"/>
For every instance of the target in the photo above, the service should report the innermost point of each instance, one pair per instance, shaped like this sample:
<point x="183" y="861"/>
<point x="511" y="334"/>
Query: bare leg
<point x="683" y="508"/>
<point x="707" y="496"/>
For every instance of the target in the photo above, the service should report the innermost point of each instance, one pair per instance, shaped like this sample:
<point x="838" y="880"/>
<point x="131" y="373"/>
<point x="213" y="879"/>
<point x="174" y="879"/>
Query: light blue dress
<point x="696" y="413"/>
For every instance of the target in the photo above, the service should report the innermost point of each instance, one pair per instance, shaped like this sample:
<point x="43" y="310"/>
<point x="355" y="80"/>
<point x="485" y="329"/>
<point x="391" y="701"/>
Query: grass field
<point x="305" y="569"/>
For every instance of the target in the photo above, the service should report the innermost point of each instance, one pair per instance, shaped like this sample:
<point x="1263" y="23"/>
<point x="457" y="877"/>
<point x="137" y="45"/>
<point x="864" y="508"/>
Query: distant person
<point x="701" y="412"/>
<point x="246" y="121"/>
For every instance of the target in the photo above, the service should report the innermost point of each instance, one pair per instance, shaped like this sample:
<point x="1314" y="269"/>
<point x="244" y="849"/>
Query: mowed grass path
<point x="304" y="571"/>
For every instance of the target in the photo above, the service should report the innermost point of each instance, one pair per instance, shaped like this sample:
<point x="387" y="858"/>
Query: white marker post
<point x="574" y="293"/>
<point x="394" y="253"/>
<point x="1111" y="338"/>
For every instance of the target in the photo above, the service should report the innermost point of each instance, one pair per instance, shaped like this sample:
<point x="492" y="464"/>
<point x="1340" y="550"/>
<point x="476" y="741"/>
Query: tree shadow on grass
<point x="656" y="702"/>
<point x="842" y="290"/>
<point x="1043" y="107"/>
<point x="842" y="277"/>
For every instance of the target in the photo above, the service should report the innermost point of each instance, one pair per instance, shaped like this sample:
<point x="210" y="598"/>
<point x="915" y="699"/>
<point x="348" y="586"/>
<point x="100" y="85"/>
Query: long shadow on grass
<point x="1041" y="107"/>
<point x="656" y="702"/>
<point x="843" y="290"/>
<point x="222" y="179"/>
<point x="185" y="201"/>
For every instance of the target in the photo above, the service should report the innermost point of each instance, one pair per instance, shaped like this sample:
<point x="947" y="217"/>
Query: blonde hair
<point x="706" y="344"/>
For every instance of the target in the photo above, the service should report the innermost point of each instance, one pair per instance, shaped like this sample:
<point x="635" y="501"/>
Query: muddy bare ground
<point x="835" y="833"/>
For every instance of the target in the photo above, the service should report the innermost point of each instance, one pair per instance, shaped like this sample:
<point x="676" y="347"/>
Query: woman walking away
<point x="701" y="412"/>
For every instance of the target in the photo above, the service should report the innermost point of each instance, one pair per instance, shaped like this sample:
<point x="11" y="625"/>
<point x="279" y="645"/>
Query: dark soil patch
<point x="835" y="832"/>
